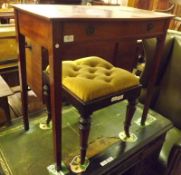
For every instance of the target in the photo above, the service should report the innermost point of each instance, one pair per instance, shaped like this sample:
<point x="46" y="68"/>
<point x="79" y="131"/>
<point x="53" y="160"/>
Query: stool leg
<point x="46" y="93"/>
<point x="49" y="113"/>
<point x="129" y="115"/>
<point x="85" y="122"/>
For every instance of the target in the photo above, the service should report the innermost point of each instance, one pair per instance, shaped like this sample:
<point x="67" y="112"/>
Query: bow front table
<point x="56" y="27"/>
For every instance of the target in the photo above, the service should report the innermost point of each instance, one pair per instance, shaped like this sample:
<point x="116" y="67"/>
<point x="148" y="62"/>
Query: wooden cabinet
<point x="142" y="4"/>
<point x="149" y="5"/>
<point x="59" y="1"/>
<point x="8" y="54"/>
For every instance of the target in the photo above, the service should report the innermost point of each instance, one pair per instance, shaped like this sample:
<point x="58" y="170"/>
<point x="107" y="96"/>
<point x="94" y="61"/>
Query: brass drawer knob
<point x="149" y="27"/>
<point x="90" y="30"/>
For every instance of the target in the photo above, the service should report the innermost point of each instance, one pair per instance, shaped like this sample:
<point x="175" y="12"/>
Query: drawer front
<point x="92" y="31"/>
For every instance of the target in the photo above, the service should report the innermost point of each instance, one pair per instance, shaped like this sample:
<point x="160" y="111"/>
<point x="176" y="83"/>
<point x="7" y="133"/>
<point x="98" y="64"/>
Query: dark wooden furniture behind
<point x="5" y="91"/>
<point x="167" y="96"/>
<point x="63" y="27"/>
<point x="60" y="2"/>
<point x="9" y="54"/>
<point x="6" y="15"/>
<point x="150" y="5"/>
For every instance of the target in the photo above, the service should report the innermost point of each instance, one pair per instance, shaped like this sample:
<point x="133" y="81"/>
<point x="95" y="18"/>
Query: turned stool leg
<point x="49" y="112"/>
<point x="85" y="122"/>
<point x="46" y="93"/>
<point x="131" y="107"/>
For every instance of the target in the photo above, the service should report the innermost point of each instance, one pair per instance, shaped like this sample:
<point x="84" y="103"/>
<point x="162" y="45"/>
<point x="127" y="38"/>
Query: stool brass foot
<point x="52" y="170"/>
<point x="76" y="167"/>
<point x="45" y="126"/>
<point x="124" y="138"/>
<point x="150" y="119"/>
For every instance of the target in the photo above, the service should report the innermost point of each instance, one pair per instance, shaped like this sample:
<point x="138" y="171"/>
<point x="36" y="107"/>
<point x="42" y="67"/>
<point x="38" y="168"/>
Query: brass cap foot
<point x="150" y="119"/>
<point x="53" y="171"/>
<point x="124" y="138"/>
<point x="76" y="167"/>
<point x="45" y="126"/>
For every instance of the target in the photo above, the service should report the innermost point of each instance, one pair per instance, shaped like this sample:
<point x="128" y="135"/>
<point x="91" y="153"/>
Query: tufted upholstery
<point x="92" y="77"/>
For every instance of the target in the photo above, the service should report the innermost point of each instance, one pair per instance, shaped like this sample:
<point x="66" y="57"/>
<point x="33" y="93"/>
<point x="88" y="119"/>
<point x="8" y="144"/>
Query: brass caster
<point x="150" y="119"/>
<point x="76" y="167"/>
<point x="45" y="126"/>
<point x="52" y="170"/>
<point x="124" y="138"/>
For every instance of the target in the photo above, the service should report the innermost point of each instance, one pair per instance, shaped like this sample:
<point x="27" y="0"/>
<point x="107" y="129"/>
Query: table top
<point x="65" y="12"/>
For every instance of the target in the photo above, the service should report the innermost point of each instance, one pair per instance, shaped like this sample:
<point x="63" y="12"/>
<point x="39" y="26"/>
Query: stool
<point x="92" y="83"/>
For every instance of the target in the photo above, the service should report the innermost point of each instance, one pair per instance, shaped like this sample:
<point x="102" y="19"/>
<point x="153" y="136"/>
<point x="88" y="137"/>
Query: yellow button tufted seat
<point x="92" y="77"/>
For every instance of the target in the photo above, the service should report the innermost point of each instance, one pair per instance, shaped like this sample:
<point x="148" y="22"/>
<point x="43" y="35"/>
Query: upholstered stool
<point x="92" y="83"/>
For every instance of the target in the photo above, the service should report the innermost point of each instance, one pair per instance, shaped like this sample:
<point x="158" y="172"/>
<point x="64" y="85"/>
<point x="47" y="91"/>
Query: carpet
<point x="30" y="152"/>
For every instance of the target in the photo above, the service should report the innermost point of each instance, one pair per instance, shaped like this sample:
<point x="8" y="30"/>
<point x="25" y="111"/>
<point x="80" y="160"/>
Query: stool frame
<point x="87" y="108"/>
